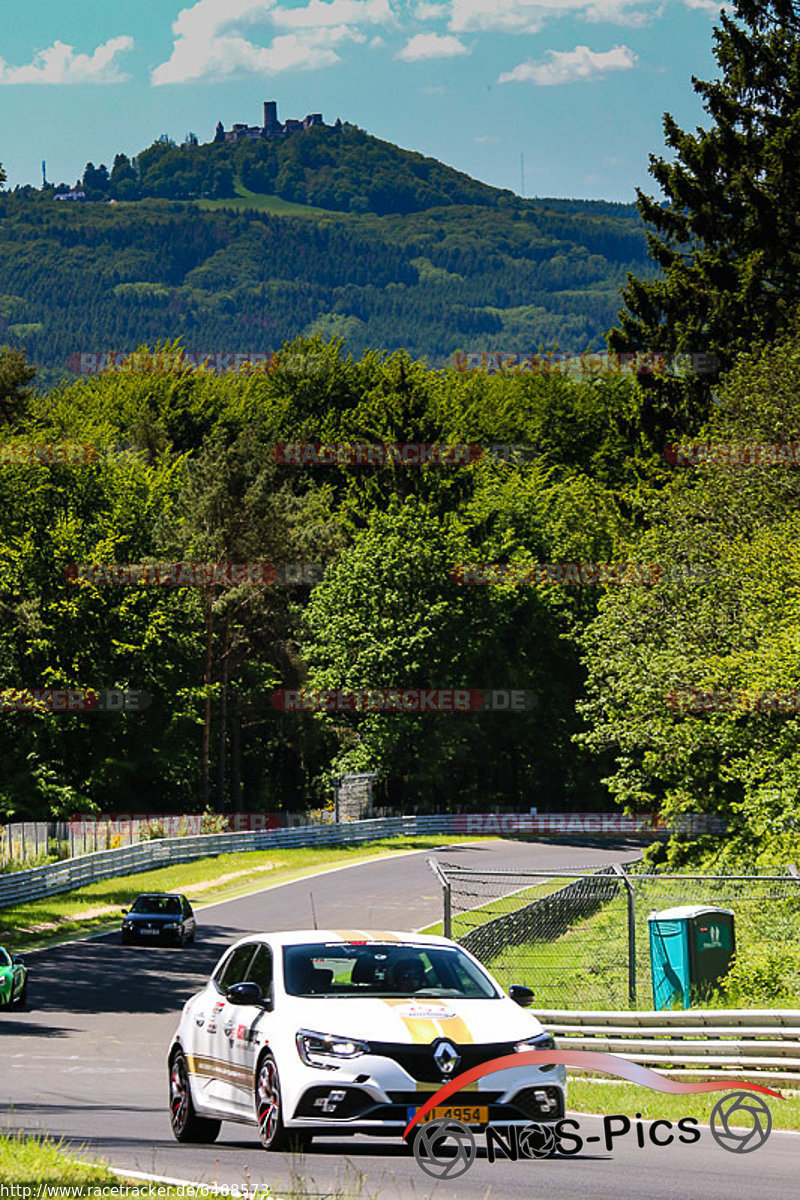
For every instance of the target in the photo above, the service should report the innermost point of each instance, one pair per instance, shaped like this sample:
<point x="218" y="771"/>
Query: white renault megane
<point x="349" y="1031"/>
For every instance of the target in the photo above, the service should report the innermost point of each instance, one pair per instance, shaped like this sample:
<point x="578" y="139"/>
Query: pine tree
<point x="15" y="375"/>
<point x="728" y="238"/>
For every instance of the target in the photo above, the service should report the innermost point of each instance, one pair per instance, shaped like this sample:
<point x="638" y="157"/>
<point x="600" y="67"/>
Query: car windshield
<point x="165" y="905"/>
<point x="5" y="961"/>
<point x="357" y="969"/>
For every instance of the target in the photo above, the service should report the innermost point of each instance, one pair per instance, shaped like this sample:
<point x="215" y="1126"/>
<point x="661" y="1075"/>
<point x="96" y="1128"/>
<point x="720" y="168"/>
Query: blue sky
<point x="578" y="86"/>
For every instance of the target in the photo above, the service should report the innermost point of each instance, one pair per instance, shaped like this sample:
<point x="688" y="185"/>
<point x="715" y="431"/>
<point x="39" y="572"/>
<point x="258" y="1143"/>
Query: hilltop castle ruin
<point x="272" y="127"/>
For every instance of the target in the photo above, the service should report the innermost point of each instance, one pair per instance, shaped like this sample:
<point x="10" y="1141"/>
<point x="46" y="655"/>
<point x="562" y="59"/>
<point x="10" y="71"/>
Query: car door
<point x="210" y="1023"/>
<point x="246" y="1031"/>
<point x="19" y="976"/>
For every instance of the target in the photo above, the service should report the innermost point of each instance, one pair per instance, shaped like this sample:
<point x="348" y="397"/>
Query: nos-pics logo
<point x="446" y="1148"/>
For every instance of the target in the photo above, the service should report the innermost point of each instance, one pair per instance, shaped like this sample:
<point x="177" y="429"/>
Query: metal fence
<point x="37" y="882"/>
<point x="25" y="840"/>
<point x="580" y="939"/>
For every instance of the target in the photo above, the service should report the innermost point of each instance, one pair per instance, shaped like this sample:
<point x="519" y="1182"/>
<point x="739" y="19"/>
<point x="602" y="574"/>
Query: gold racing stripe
<point x="215" y="1068"/>
<point x="423" y="1030"/>
<point x="457" y="1029"/>
<point x="429" y="1089"/>
<point x="368" y="935"/>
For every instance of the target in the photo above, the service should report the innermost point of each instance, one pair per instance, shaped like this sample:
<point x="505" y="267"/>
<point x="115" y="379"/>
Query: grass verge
<point x="39" y="1164"/>
<point x="597" y="1096"/>
<point x="39" y="1169"/>
<point x="96" y="908"/>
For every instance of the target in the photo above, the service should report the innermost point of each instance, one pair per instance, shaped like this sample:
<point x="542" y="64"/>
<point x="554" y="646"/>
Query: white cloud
<point x="530" y="16"/>
<point x="430" y="12"/>
<point x="712" y="7"/>
<point x="60" y="64"/>
<point x="209" y="43"/>
<point x="317" y="14"/>
<point x="431" y="45"/>
<point x="565" y="66"/>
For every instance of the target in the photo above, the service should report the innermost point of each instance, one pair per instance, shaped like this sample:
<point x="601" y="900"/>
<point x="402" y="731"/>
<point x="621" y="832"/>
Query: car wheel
<point x="269" y="1111"/>
<point x="126" y="939"/>
<point x="186" y="1125"/>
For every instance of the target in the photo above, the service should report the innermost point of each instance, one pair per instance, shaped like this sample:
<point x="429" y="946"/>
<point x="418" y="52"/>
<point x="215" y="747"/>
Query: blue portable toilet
<point x="691" y="948"/>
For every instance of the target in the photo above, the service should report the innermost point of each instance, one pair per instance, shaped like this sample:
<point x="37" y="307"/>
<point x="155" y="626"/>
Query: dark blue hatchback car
<point x="159" y="917"/>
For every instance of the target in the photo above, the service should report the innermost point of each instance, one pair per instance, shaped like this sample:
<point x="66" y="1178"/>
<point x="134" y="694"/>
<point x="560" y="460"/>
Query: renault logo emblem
<point x="446" y="1058"/>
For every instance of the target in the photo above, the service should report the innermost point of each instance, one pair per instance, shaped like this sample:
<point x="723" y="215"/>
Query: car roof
<point x="159" y="896"/>
<point x="294" y="937"/>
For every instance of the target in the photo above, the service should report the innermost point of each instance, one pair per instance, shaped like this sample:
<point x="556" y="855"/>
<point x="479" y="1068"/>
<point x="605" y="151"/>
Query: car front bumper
<point x="377" y="1095"/>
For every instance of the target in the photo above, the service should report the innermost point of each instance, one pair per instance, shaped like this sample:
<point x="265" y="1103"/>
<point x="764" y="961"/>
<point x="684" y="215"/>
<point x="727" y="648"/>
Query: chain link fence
<point x="580" y="939"/>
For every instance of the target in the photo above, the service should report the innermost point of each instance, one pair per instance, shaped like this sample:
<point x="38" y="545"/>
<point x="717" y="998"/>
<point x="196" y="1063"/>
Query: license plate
<point x="467" y="1114"/>
<point x="149" y="932"/>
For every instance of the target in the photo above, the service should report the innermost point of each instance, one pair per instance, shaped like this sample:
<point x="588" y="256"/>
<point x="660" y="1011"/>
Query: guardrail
<point x="38" y="882"/>
<point x="759" y="1044"/>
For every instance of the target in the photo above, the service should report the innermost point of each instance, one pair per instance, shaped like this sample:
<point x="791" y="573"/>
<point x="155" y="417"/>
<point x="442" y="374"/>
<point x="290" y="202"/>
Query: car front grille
<point x="457" y="1100"/>
<point x="418" y="1061"/>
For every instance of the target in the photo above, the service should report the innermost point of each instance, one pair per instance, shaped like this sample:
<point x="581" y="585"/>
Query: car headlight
<point x="172" y="925"/>
<point x="540" y="1041"/>
<point x="317" y="1049"/>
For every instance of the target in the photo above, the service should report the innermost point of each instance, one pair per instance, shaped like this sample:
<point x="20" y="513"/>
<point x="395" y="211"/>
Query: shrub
<point x="765" y="973"/>
<point x="152" y="830"/>
<point x="213" y="822"/>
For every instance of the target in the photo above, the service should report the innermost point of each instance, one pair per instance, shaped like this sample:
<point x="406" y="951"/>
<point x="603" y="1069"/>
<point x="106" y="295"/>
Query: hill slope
<point x="243" y="268"/>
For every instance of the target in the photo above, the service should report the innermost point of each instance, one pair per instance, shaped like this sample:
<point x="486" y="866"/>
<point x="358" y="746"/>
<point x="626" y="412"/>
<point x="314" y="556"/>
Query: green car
<point x="13" y="980"/>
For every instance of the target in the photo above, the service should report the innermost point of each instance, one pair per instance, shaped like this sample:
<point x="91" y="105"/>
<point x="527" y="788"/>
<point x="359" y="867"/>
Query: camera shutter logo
<point x="537" y="1141"/>
<point x="436" y="1160"/>
<point x="745" y="1109"/>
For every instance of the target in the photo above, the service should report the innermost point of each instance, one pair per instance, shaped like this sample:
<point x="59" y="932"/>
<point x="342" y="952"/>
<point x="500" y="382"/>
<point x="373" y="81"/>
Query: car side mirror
<point x="521" y="995"/>
<point x="246" y="993"/>
<point x="124" y="912"/>
<point x="17" y="961"/>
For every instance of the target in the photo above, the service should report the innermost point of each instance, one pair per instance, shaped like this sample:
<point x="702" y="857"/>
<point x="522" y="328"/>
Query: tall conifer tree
<point x="728" y="236"/>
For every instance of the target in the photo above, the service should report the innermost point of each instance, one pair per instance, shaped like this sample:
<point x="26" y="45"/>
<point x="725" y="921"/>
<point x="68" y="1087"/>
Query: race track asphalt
<point x="87" y="1062"/>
